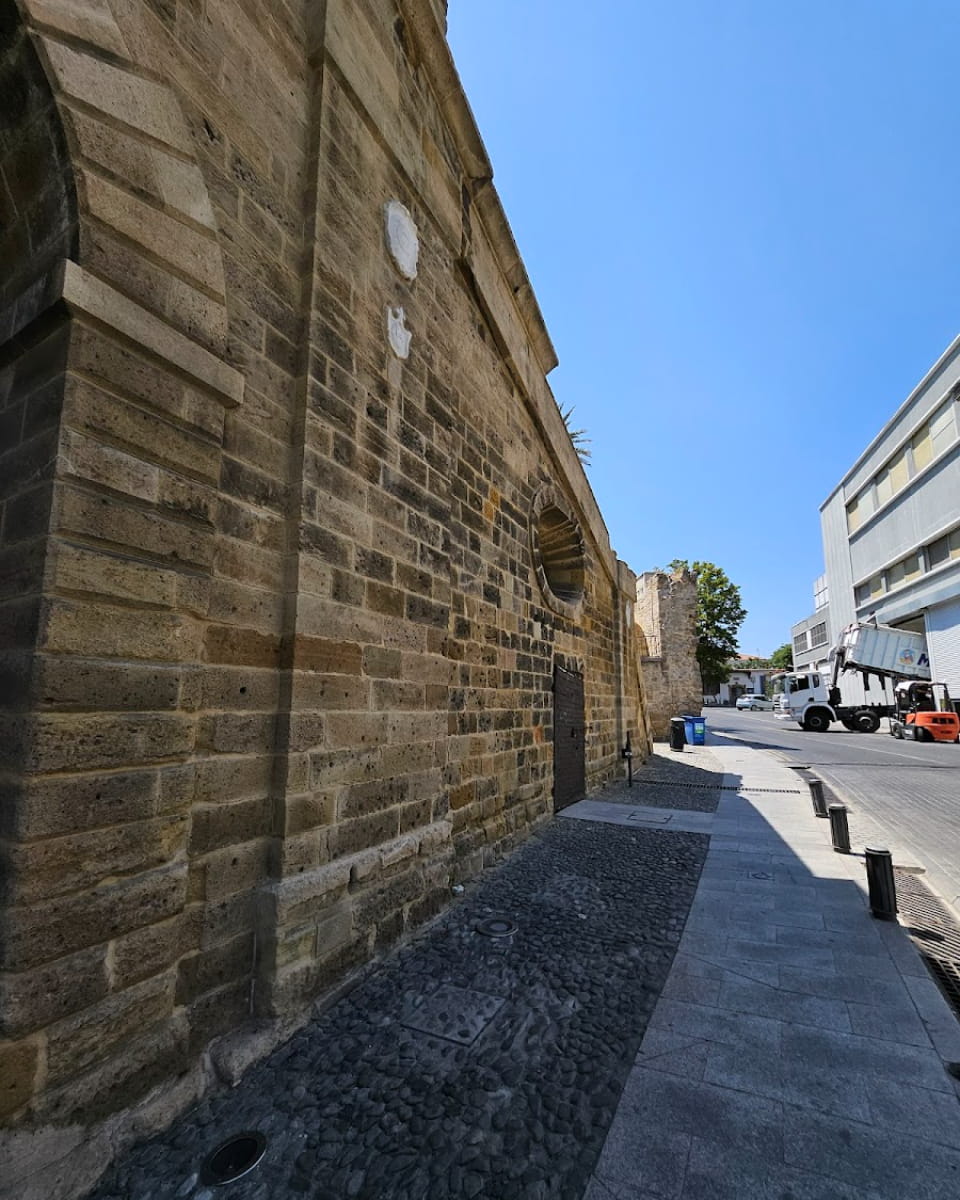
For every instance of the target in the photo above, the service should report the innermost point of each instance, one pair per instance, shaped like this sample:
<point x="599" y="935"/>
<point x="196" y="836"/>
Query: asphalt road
<point x="904" y="795"/>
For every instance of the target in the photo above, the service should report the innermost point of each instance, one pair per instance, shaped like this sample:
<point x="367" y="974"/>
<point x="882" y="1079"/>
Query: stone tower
<point x="666" y="616"/>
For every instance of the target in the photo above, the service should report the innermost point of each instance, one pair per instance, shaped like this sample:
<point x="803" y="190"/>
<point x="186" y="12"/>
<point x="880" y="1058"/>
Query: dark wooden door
<point x="569" y="753"/>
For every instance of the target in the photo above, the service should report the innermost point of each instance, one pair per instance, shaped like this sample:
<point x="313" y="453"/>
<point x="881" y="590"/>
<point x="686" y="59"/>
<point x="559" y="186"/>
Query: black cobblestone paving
<point x="465" y="1065"/>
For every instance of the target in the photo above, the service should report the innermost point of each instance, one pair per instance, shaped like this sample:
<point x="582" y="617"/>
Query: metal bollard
<point x="816" y="795"/>
<point x="839" y="830"/>
<point x="881" y="884"/>
<point x="627" y="753"/>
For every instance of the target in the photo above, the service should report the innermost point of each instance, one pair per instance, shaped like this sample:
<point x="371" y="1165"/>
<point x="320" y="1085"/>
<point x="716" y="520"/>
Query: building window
<point x="899" y="471"/>
<point x="929" y="441"/>
<point x="943" y="549"/>
<point x="902" y="572"/>
<point x="942" y="427"/>
<point x="800" y="643"/>
<point x="921" y="448"/>
<point x="883" y="483"/>
<point x="818" y="634"/>
<point x="870" y="590"/>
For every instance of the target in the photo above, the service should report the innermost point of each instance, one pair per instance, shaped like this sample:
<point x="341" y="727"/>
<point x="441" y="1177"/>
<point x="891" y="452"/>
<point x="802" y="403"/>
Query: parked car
<point x="754" y="703"/>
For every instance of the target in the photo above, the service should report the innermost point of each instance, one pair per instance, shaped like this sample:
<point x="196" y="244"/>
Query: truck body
<point x="879" y="652"/>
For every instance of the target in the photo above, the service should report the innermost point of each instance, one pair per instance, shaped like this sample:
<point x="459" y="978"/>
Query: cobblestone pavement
<point x="465" y="1065"/>
<point x="687" y="781"/>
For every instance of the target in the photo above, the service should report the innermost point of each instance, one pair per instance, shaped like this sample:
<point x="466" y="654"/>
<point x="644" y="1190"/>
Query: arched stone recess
<point x="146" y="223"/>
<point x="120" y="321"/>
<point x="559" y="555"/>
<point x="38" y="219"/>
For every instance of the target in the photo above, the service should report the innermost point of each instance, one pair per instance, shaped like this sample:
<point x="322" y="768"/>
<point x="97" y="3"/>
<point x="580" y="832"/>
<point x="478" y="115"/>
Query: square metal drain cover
<point x="453" y="1013"/>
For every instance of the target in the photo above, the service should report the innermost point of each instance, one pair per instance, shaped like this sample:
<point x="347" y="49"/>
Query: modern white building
<point x="813" y="636"/>
<point x="891" y="527"/>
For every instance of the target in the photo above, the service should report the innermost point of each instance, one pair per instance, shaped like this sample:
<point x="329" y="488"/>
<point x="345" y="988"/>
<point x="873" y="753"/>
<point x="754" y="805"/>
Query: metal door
<point x="943" y="642"/>
<point x="569" y="752"/>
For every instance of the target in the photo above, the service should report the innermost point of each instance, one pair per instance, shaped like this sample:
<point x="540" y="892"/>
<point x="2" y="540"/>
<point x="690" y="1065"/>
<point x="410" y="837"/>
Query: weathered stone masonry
<point x="281" y="608"/>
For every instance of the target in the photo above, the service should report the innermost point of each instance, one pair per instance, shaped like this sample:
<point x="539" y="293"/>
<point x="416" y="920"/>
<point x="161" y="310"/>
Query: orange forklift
<point x="923" y="712"/>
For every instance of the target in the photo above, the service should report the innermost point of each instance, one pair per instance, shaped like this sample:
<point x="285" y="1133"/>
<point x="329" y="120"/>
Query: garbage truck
<point x="815" y="700"/>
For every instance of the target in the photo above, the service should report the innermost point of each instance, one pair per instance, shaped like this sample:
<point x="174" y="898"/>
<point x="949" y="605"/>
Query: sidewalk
<point x="798" y="1048"/>
<point x="674" y="991"/>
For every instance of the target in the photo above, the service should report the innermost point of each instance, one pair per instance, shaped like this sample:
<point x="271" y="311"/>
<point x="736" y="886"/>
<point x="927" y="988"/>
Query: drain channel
<point x="934" y="931"/>
<point x="713" y="787"/>
<point x="234" y="1158"/>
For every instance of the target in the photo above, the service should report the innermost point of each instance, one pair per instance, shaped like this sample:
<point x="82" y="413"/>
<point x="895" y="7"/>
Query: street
<point x="906" y="794"/>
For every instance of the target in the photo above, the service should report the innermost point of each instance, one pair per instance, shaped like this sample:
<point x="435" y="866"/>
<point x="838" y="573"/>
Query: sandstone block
<point x="235" y="869"/>
<point x="154" y="948"/>
<point x="52" y="929"/>
<point x="237" y="646"/>
<point x="72" y="742"/>
<point x="122" y="1077"/>
<point x="326" y="655"/>
<point x="55" y="866"/>
<point x="216" y="967"/>
<point x="31" y="999"/>
<point x="79" y="1042"/>
<point x="48" y="807"/>
<point x="19" y="1070"/>
<point x="310" y="811"/>
<point x="329" y="692"/>
<point x="293" y="900"/>
<point x="214" y="826"/>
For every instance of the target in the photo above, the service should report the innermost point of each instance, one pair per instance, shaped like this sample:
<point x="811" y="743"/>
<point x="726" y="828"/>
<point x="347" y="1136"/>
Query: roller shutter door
<point x="943" y="642"/>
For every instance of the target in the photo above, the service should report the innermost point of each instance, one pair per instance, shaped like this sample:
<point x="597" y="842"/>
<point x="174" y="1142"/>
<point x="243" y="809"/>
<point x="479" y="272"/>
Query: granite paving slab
<point x="464" y="1065"/>
<point x="796" y="1051"/>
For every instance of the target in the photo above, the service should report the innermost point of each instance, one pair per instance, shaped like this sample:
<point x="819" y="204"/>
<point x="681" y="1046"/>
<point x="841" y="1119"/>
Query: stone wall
<point x="314" y="540"/>
<point x="666" y="616"/>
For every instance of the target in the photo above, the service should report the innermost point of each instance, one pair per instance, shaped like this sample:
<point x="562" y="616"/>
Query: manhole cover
<point x="234" y="1158"/>
<point x="496" y="927"/>
<point x="456" y="1014"/>
<point x="648" y="819"/>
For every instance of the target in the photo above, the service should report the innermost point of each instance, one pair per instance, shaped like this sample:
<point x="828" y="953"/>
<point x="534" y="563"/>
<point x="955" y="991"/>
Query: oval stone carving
<point x="402" y="239"/>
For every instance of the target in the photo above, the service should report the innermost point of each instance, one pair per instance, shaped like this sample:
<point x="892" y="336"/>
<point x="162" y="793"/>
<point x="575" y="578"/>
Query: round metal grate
<point x="234" y="1158"/>
<point x="496" y="927"/>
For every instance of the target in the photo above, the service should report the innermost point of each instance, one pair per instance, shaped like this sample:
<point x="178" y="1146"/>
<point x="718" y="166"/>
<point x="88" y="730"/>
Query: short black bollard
<point x="881" y="884"/>
<point x="627" y="753"/>
<point x="816" y="795"/>
<point x="678" y="735"/>
<point x="839" y="830"/>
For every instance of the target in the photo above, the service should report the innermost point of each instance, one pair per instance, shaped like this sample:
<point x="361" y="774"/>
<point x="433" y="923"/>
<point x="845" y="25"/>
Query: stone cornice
<point x="87" y="295"/>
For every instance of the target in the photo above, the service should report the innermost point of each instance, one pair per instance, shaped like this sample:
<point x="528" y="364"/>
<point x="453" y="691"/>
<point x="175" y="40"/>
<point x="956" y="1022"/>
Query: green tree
<point x="720" y="613"/>
<point x="782" y="657"/>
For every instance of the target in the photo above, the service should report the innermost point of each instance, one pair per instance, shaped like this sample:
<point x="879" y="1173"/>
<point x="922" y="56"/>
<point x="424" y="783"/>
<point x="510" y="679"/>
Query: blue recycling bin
<point x="695" y="729"/>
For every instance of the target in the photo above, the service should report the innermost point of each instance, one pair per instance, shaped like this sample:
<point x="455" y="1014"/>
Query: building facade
<point x="303" y="581"/>
<point x="813" y="637"/>
<point x="891" y="527"/>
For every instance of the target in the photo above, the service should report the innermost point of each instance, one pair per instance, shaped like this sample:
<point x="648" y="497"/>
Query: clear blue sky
<point x="740" y="218"/>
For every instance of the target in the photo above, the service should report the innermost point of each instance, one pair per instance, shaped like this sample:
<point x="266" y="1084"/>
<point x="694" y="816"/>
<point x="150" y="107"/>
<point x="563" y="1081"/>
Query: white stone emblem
<point x="402" y="240"/>
<point x="400" y="337"/>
